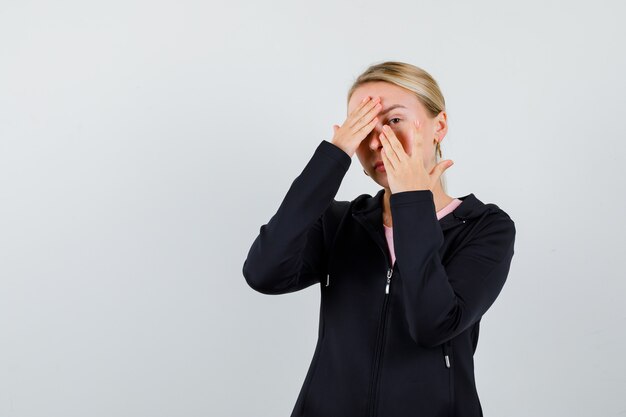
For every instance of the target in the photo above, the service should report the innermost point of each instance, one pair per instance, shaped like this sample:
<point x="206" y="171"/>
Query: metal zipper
<point x="379" y="350"/>
<point x="381" y="327"/>
<point x="389" y="272"/>
<point x="381" y="337"/>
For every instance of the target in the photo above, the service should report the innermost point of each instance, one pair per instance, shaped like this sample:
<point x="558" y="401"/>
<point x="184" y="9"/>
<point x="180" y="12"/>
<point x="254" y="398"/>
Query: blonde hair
<point x="412" y="78"/>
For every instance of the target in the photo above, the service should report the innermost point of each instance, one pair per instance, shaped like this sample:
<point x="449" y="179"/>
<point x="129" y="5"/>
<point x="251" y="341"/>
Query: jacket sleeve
<point x="289" y="253"/>
<point x="443" y="302"/>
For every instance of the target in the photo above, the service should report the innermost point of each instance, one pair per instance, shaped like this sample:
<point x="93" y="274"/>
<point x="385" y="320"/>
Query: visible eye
<point x="395" y="118"/>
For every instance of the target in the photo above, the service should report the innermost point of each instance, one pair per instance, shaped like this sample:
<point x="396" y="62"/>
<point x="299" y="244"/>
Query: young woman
<point x="405" y="276"/>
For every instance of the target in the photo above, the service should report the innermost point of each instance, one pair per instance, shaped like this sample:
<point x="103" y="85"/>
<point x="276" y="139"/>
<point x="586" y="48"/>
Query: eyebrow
<point x="391" y="108"/>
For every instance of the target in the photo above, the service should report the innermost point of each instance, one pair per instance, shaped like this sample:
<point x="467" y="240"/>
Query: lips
<point x="377" y="164"/>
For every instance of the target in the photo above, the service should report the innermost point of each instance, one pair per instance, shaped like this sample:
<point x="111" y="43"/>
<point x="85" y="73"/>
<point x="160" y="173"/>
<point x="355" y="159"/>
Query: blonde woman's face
<point x="400" y="108"/>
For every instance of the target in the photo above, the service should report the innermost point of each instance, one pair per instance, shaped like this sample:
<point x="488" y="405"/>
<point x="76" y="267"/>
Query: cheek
<point x="402" y="132"/>
<point x="364" y="147"/>
<point x="404" y="137"/>
<point x="362" y="153"/>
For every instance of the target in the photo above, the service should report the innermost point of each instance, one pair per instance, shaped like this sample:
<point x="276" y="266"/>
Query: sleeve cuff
<point x="411" y="197"/>
<point x="335" y="152"/>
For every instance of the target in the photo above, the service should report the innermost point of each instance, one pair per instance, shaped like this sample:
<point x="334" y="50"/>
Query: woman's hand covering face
<point x="357" y="125"/>
<point x="406" y="171"/>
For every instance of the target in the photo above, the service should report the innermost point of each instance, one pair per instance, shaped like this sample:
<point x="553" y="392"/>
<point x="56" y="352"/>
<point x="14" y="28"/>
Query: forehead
<point x="389" y="93"/>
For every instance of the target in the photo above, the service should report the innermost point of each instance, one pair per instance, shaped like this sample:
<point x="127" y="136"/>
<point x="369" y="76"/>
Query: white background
<point x="143" y="144"/>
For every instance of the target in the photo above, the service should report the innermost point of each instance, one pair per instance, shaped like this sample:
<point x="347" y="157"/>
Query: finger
<point x="395" y="143"/>
<point x="368" y="127"/>
<point x="389" y="167"/>
<point x="416" y="141"/>
<point x="357" y="119"/>
<point x="367" y="117"/>
<point x="389" y="151"/>
<point x="359" y="107"/>
<point x="362" y="104"/>
<point x="439" y="169"/>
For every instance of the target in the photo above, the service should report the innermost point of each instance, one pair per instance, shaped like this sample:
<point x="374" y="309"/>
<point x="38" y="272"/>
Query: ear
<point x="441" y="125"/>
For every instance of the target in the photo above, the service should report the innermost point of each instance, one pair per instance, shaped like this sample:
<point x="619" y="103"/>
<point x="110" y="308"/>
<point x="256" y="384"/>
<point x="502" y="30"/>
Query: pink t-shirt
<point x="389" y="230"/>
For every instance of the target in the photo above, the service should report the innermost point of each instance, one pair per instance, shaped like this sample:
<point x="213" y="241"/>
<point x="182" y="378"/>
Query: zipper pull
<point x="445" y="354"/>
<point x="389" y="272"/>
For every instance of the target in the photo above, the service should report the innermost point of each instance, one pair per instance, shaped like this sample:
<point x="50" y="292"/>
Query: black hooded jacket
<point x="393" y="340"/>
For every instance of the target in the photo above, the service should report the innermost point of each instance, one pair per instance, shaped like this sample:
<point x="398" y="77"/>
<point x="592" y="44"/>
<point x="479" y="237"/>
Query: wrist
<point x="348" y="151"/>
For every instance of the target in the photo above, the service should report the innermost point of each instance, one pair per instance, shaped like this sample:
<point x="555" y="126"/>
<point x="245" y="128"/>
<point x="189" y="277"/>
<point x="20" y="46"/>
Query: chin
<point x="382" y="180"/>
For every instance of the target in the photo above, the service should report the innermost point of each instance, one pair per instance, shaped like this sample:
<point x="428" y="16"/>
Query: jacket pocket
<point x="448" y="363"/>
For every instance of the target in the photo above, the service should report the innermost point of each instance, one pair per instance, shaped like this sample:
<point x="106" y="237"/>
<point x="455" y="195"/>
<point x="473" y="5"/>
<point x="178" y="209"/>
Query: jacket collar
<point x="370" y="208"/>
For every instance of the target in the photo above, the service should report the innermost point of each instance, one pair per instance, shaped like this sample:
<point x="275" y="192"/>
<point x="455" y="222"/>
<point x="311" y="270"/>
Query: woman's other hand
<point x="406" y="171"/>
<point x="357" y="126"/>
